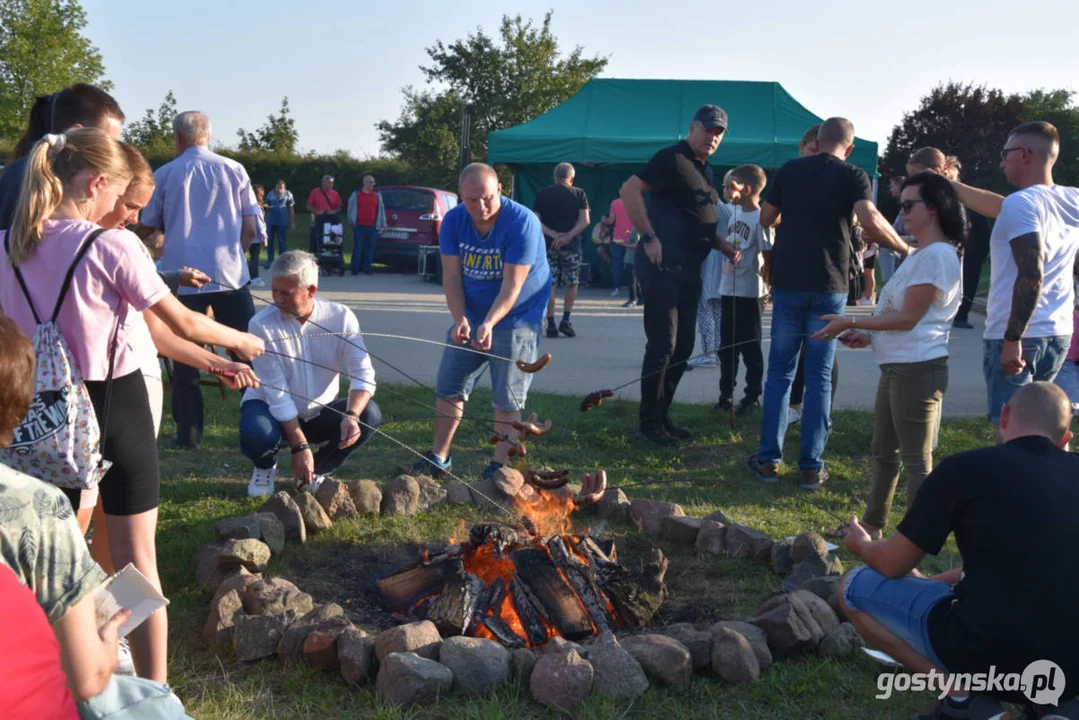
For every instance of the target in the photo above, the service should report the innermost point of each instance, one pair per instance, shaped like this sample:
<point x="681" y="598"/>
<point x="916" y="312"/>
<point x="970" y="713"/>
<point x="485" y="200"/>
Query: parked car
<point x="413" y="218"/>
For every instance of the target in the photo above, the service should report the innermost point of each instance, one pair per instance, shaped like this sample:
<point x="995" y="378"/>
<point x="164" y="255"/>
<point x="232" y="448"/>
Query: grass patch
<point x="201" y="487"/>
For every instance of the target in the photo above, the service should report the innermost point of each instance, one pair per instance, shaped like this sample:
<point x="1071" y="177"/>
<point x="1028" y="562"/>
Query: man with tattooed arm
<point x="1032" y="254"/>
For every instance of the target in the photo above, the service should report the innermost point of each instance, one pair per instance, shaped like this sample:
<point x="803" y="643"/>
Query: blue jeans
<point x="261" y="434"/>
<point x="618" y="256"/>
<point x="1068" y="380"/>
<point x="886" y="261"/>
<point x="364" y="238"/>
<point x="795" y="316"/>
<point x="461" y="368"/>
<point x="279" y="232"/>
<point x="901" y="605"/>
<point x="1044" y="358"/>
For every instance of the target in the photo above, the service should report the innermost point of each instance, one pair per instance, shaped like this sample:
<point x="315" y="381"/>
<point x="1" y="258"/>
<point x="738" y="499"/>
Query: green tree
<point x="277" y="135"/>
<point x="153" y="134"/>
<point x="503" y="81"/>
<point x="1057" y="107"/>
<point x="42" y="49"/>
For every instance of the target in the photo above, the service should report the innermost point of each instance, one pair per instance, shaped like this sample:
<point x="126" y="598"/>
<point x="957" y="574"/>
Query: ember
<point x="523" y="584"/>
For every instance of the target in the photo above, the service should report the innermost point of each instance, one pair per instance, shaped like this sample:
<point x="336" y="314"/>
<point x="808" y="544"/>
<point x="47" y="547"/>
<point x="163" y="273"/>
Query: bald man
<point x="496" y="280"/>
<point x="1012" y="507"/>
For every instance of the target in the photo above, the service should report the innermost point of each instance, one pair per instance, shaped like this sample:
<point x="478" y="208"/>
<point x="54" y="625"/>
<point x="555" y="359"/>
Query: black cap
<point x="711" y="116"/>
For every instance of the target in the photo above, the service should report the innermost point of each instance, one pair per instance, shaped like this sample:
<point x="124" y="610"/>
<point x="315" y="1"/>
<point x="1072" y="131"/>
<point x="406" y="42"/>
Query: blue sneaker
<point x="489" y="471"/>
<point x="431" y="465"/>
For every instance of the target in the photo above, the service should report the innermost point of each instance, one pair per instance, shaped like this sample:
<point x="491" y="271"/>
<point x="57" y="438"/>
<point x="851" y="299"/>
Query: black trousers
<point x="670" y="328"/>
<point x="233" y="308"/>
<point x="739" y="326"/>
<point x="799" y="385"/>
<point x="974" y="257"/>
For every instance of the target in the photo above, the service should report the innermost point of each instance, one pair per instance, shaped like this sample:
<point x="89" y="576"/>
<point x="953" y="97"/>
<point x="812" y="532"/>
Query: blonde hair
<point x="52" y="165"/>
<point x="141" y="172"/>
<point x="932" y="159"/>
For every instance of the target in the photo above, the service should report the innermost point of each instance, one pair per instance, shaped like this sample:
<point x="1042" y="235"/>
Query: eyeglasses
<point x="1005" y="151"/>
<point x="907" y="205"/>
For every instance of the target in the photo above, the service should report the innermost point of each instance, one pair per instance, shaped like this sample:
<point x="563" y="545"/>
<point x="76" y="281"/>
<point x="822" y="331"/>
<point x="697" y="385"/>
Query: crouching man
<point x="299" y="403"/>
<point x="1008" y="506"/>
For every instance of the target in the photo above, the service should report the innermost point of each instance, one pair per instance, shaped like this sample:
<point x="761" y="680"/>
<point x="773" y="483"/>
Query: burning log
<point x="458" y="602"/>
<point x="537" y="571"/>
<point x="498" y="535"/>
<point x="402" y="591"/>
<point x="584" y="582"/>
<point x="637" y="597"/>
<point x="529" y="610"/>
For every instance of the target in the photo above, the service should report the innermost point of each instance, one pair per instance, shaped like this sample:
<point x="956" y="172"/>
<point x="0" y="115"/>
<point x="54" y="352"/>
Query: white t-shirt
<point x="712" y="268"/>
<point x="936" y="265"/>
<point x="1053" y="212"/>
<point x="745" y="232"/>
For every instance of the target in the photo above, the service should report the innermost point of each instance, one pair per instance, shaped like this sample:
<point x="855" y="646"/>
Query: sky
<point x="343" y="70"/>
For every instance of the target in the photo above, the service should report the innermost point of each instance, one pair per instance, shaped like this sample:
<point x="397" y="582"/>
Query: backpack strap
<point x="108" y="381"/>
<point x="71" y="273"/>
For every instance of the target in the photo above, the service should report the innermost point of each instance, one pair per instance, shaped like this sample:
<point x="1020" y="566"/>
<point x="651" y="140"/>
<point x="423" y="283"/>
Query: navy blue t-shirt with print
<point x="517" y="239"/>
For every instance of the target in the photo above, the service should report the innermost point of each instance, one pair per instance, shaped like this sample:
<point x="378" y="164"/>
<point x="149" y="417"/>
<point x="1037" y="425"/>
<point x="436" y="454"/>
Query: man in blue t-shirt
<point x="280" y="218"/>
<point x="497" y="281"/>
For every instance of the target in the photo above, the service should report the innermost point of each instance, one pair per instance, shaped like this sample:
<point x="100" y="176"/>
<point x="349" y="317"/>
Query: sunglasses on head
<point x="907" y="205"/>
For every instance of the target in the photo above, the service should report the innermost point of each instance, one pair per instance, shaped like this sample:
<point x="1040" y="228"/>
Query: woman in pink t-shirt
<point x="71" y="182"/>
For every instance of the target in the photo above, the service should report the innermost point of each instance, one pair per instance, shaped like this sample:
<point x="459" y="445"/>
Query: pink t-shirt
<point x="622" y="225"/>
<point x="114" y="276"/>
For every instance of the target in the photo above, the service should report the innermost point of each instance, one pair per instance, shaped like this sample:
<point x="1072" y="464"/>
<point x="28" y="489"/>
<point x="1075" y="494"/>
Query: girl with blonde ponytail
<point x="72" y="181"/>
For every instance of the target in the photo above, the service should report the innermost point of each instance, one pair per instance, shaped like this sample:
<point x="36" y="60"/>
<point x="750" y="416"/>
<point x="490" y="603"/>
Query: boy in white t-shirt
<point x="743" y="287"/>
<point x="711" y="271"/>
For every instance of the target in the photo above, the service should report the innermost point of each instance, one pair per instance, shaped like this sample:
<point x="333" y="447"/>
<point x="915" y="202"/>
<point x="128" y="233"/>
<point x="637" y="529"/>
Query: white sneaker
<point x="258" y="282"/>
<point x="125" y="666"/>
<point x="262" y="481"/>
<point x="793" y="416"/>
<point x="866" y="301"/>
<point x="703" y="361"/>
<point x="614" y="293"/>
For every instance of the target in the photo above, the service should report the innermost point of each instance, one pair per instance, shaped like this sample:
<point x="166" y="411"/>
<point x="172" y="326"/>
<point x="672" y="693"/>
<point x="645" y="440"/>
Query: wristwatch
<point x="297" y="449"/>
<point x="352" y="415"/>
<point x="647" y="238"/>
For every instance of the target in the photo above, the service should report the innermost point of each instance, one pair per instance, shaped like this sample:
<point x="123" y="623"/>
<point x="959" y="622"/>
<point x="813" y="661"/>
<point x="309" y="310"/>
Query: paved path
<point x="608" y="348"/>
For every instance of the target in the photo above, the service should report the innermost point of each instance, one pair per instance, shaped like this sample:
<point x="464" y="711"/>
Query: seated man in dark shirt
<point x="1011" y="508"/>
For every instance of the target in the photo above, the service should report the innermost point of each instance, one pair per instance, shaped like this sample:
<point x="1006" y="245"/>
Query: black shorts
<point x="133" y="484"/>
<point x="870" y="262"/>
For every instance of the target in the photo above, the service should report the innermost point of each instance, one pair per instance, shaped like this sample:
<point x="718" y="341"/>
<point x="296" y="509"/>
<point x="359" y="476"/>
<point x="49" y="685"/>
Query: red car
<point x="413" y="218"/>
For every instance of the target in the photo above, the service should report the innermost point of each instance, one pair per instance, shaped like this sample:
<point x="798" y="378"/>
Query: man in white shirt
<point x="1032" y="249"/>
<point x="207" y="209"/>
<point x="305" y="362"/>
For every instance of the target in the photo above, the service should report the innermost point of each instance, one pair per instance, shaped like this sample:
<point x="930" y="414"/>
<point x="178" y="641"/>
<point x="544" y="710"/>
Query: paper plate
<point x="881" y="657"/>
<point x="831" y="546"/>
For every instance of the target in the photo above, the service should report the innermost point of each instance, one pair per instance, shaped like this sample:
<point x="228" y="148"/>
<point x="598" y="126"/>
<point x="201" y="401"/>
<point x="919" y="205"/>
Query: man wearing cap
<point x="323" y="203"/>
<point x="678" y="230"/>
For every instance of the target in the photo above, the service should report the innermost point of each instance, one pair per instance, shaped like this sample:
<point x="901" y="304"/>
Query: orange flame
<point x="550" y="511"/>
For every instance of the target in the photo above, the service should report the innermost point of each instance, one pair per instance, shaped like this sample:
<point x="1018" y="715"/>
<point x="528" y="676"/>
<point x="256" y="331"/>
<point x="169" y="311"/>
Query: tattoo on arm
<point x="1027" y="252"/>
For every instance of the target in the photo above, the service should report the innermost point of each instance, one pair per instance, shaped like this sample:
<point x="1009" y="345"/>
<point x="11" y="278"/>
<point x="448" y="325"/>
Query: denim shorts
<point x="901" y="605"/>
<point x="1044" y="357"/>
<point x="461" y="368"/>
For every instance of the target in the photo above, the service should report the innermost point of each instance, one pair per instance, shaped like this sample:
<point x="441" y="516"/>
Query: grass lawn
<point x="201" y="487"/>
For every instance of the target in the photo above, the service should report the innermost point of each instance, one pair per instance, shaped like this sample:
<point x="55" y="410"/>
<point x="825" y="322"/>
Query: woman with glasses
<point x="909" y="337"/>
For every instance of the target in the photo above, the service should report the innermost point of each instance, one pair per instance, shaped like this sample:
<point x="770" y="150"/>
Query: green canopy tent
<point x="612" y="127"/>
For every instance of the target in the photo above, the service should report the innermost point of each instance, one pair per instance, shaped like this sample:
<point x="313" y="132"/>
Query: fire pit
<point x="523" y="583"/>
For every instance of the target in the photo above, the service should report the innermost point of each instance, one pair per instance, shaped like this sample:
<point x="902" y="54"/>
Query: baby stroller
<point x="331" y="245"/>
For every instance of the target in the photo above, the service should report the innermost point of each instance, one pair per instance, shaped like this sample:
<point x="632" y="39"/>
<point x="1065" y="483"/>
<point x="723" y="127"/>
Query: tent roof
<point x="627" y="121"/>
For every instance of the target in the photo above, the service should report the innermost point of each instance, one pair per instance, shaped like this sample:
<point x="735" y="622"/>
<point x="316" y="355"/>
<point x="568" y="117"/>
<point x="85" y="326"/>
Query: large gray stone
<point x="841" y="643"/>
<point x="401" y="496"/>
<point x="733" y="658"/>
<point x="561" y="680"/>
<point x="242" y="527"/>
<point x="431" y="493"/>
<point x="814" y="566"/>
<point x="206" y="571"/>
<point x="781" y="557"/>
<point x="524" y="661"/>
<point x="486" y="494"/>
<point x="757" y="638"/>
<point x="617" y="674"/>
<point x="356" y="655"/>
<point x="320" y="646"/>
<point x="718" y="517"/>
<point x="614" y="505"/>
<point x="254" y="555"/>
<point x="648" y="514"/>
<point x="290" y="649"/>
<point x="223" y="611"/>
<point x="458" y="494"/>
<point x="795" y="622"/>
<point x="806" y="544"/>
<point x="285" y="509"/>
<point x="315" y="518"/>
<point x="508" y="480"/>
<point x="698" y="642"/>
<point x="421" y="638"/>
<point x="272" y="532"/>
<point x="276" y="595"/>
<point x="712" y="537"/>
<point x="366" y="496"/>
<point x="559" y="644"/>
<point x="406" y="679"/>
<point x="238" y="581"/>
<point x="478" y="665"/>
<point x="663" y="659"/>
<point x="256" y="636"/>
<point x="749" y="544"/>
<point x="334" y="498"/>
<point x="823" y="587"/>
<point x="680" y="530"/>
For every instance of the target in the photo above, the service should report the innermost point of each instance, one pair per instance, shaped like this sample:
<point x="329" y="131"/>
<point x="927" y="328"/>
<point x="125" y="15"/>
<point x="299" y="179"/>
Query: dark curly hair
<point x="16" y="378"/>
<point x="938" y="194"/>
